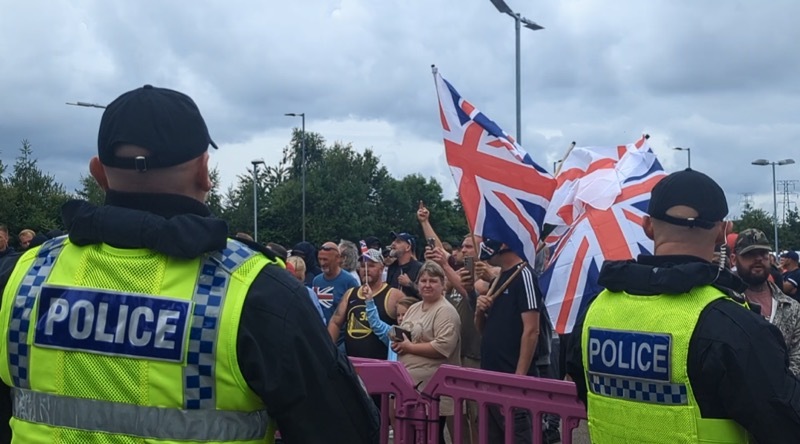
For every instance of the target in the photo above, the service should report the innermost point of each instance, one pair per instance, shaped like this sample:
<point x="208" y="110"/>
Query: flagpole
<point x="563" y="159"/>
<point x="475" y="246"/>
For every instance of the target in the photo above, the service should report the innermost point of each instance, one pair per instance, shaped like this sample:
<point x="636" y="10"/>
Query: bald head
<point x="676" y="239"/>
<point x="189" y="179"/>
<point x="328" y="257"/>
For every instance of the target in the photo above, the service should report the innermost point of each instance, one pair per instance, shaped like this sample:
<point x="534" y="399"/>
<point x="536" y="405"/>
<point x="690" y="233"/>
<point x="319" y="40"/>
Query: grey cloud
<point x="720" y="77"/>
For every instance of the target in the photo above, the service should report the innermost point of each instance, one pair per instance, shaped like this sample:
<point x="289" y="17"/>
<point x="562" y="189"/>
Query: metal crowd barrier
<point x="417" y="413"/>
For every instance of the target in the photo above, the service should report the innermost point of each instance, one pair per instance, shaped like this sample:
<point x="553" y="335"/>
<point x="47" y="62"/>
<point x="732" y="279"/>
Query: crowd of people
<point x="151" y="311"/>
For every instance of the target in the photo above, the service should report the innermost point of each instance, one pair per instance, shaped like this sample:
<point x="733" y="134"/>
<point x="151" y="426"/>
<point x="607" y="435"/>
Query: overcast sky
<point x="720" y="77"/>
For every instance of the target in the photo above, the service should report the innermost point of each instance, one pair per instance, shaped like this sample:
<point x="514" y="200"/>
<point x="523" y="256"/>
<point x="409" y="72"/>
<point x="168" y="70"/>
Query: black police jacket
<point x="737" y="361"/>
<point x="284" y="351"/>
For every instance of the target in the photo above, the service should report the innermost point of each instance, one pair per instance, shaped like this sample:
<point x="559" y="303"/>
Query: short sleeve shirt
<point x="440" y="325"/>
<point x="502" y="331"/>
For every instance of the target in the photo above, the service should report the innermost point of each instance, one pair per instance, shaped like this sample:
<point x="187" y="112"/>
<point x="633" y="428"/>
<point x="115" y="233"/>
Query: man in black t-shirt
<point x="508" y="319"/>
<point x="402" y="274"/>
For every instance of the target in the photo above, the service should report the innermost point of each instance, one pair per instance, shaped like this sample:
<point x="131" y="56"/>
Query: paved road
<point x="581" y="434"/>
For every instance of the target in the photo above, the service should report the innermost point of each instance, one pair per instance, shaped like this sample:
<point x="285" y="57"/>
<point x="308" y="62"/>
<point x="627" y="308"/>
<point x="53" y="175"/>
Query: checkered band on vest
<point x="209" y="296"/>
<point x="18" y="348"/>
<point x="639" y="390"/>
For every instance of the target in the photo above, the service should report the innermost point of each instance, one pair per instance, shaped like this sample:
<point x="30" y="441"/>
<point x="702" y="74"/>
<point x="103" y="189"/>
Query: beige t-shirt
<point x="440" y="325"/>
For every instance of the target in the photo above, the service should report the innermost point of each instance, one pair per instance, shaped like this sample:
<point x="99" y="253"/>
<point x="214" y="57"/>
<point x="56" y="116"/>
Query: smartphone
<point x="397" y="334"/>
<point x="432" y="243"/>
<point x="469" y="263"/>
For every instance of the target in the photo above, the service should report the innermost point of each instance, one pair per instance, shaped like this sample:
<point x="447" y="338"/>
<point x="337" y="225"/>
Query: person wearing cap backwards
<point x="508" y="318"/>
<point x="752" y="259"/>
<point x="149" y="324"/>
<point x="664" y="354"/>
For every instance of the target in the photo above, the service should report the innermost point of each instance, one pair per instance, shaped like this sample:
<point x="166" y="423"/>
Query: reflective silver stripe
<point x="199" y="383"/>
<point x="138" y="421"/>
<point x="18" y="348"/>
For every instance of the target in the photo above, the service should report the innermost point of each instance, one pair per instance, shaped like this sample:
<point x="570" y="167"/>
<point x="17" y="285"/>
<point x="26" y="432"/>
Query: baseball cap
<point x="372" y="242"/>
<point x="751" y="239"/>
<point x="406" y="238"/>
<point x="692" y="189"/>
<point x="165" y="122"/>
<point x="791" y="255"/>
<point x="490" y="248"/>
<point x="372" y="255"/>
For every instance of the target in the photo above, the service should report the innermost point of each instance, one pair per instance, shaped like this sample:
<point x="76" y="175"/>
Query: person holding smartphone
<point x="435" y="330"/>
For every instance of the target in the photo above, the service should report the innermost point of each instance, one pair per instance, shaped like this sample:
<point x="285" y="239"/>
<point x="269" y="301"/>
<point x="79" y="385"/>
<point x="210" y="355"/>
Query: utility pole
<point x="788" y="187"/>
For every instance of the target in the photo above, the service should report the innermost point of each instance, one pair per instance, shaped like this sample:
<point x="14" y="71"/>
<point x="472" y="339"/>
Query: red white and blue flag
<point x="597" y="210"/>
<point x="504" y="193"/>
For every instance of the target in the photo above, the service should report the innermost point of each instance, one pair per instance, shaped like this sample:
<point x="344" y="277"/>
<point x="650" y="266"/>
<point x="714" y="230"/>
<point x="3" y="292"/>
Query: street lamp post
<point x="765" y="162"/>
<point x="518" y="22"/>
<point x="688" y="154"/>
<point x="256" y="163"/>
<point x="302" y="165"/>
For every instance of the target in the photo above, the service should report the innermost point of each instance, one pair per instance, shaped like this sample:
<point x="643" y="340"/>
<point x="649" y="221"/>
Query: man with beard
<point x="752" y="251"/>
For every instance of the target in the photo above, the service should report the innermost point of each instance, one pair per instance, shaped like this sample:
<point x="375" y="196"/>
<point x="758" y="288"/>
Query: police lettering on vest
<point x="112" y="323"/>
<point x="630" y="354"/>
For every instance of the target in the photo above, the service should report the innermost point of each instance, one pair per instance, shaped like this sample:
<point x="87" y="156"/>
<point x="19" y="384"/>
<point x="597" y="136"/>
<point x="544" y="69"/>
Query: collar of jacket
<point x="651" y="275"/>
<point x="184" y="236"/>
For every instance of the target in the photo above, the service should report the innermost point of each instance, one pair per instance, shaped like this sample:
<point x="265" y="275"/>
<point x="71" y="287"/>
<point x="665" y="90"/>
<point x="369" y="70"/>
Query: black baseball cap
<point x="165" y="122"/>
<point x="692" y="189"/>
<point x="372" y="242"/>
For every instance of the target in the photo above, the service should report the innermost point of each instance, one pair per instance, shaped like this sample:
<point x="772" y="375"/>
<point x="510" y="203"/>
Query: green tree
<point x="32" y="198"/>
<point x="789" y="231"/>
<point x="754" y="218"/>
<point x="214" y="200"/>
<point x="90" y="191"/>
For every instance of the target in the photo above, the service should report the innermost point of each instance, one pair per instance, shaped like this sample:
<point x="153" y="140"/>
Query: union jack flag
<point x="363" y="247"/>
<point x="503" y="192"/>
<point x="597" y="209"/>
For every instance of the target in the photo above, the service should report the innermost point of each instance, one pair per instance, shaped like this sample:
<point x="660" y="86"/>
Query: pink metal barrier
<point x="416" y="419"/>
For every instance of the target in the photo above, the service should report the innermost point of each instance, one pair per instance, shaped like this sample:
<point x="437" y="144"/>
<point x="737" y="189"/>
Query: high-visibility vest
<point x="108" y="345"/>
<point x="635" y="353"/>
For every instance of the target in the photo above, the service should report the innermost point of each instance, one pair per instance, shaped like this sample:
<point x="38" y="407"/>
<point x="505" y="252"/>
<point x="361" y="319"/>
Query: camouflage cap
<point x="751" y="239"/>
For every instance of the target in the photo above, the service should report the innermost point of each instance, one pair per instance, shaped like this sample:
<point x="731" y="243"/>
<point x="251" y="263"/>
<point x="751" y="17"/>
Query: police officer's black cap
<point x="167" y="123"/>
<point x="692" y="189"/>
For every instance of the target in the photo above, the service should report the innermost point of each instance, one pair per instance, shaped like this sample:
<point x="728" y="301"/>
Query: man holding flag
<point x="505" y="195"/>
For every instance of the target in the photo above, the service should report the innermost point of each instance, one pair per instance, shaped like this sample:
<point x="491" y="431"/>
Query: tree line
<point x="349" y="195"/>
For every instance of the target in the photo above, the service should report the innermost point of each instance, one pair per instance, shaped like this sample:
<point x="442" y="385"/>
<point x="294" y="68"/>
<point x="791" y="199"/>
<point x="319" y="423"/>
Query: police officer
<point x="665" y="355"/>
<point x="147" y="322"/>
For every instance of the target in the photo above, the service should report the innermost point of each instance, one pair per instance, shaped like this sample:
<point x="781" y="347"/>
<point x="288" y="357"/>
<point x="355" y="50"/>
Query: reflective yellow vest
<point x="108" y="345"/>
<point x="635" y="352"/>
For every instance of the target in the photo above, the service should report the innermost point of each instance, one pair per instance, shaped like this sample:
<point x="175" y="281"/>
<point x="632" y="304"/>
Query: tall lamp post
<point x="765" y="162"/>
<point x="688" y="154"/>
<point x="518" y="21"/>
<point x="256" y="163"/>
<point x="302" y="165"/>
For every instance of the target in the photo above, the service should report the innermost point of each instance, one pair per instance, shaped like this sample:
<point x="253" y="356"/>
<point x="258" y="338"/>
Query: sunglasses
<point x="328" y="248"/>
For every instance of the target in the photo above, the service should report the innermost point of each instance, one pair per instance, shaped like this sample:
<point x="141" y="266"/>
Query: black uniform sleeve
<point x="288" y="359"/>
<point x="574" y="361"/>
<point x="738" y="368"/>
